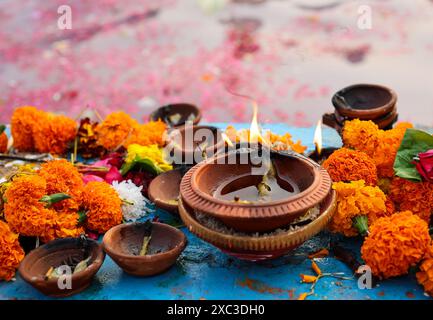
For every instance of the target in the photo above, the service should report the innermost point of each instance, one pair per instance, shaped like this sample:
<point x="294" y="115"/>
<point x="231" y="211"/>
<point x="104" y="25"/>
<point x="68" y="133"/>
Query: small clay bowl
<point x="186" y="111"/>
<point x="123" y="244"/>
<point x="164" y="189"/>
<point x="34" y="267"/>
<point x="264" y="247"/>
<point x="364" y="101"/>
<point x="191" y="152"/>
<point x="199" y="184"/>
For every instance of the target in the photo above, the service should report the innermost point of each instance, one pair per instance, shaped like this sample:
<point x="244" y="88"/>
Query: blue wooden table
<point x="203" y="272"/>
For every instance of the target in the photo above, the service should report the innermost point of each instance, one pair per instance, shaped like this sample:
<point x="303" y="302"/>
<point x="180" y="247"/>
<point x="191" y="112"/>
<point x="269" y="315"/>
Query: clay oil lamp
<point x="225" y="189"/>
<point x="193" y="144"/>
<point x="144" y="249"/>
<point x="80" y="258"/>
<point x="177" y="115"/>
<point x="365" y="102"/>
<point x="164" y="189"/>
<point x="320" y="153"/>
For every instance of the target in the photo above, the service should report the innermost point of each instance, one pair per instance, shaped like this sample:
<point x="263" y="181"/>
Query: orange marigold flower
<point x="24" y="212"/>
<point x="103" y="206"/>
<point x="54" y="133"/>
<point x="67" y="226"/>
<point x="395" y="243"/>
<point x="3" y="142"/>
<point x="22" y="122"/>
<point x="62" y="176"/>
<point x="414" y="196"/>
<point x="361" y="135"/>
<point x="11" y="253"/>
<point x="147" y="134"/>
<point x="356" y="199"/>
<point x="351" y="165"/>
<point x="380" y="145"/>
<point x="425" y="274"/>
<point x="115" y="130"/>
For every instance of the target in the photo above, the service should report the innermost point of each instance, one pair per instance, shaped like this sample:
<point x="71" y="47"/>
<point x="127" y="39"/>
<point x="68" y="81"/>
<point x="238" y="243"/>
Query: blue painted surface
<point x="204" y="272"/>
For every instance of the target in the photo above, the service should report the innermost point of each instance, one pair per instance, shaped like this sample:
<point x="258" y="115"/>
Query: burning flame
<point x="227" y="139"/>
<point x="255" y="132"/>
<point x="318" y="137"/>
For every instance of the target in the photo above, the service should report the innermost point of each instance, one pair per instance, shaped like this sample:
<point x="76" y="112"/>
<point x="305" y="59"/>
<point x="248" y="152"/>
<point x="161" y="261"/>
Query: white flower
<point x="133" y="202"/>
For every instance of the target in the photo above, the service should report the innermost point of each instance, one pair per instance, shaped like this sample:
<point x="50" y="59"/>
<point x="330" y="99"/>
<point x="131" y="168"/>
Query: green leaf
<point x="414" y="142"/>
<point x="361" y="224"/>
<point x="144" y="163"/>
<point x="82" y="217"/>
<point x="54" y="198"/>
<point x="2" y="128"/>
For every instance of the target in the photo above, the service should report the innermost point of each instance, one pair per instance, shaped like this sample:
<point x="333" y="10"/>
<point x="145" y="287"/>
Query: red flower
<point x="425" y="165"/>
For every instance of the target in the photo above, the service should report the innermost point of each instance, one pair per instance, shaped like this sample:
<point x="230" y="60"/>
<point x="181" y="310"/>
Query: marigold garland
<point x="355" y="199"/>
<point x="115" y="130"/>
<point x="61" y="176"/>
<point x="425" y="274"/>
<point x="11" y="253"/>
<point x="395" y="243"/>
<point x="147" y="134"/>
<point x="22" y="122"/>
<point x="351" y="165"/>
<point x="414" y="196"/>
<point x="380" y="145"/>
<point x="103" y="206"/>
<point x="54" y="133"/>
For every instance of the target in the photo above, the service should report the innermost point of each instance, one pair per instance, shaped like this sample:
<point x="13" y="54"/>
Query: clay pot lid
<point x="184" y="110"/>
<point x="264" y="247"/>
<point x="364" y="101"/>
<point x="188" y="153"/>
<point x="36" y="264"/>
<point x="294" y="205"/>
<point x="165" y="188"/>
<point x="123" y="242"/>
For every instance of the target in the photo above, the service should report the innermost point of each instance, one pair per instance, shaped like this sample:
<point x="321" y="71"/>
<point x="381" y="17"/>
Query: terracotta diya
<point x="124" y="242"/>
<point x="211" y="187"/>
<point x="71" y="252"/>
<point x="193" y="144"/>
<point x="176" y="115"/>
<point x="365" y="102"/>
<point x="164" y="189"/>
<point x="256" y="248"/>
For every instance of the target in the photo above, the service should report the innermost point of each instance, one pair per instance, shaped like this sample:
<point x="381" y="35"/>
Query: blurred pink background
<point x="291" y="56"/>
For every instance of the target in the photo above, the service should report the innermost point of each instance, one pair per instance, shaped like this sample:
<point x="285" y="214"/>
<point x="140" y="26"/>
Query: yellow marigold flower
<point x="351" y="165"/>
<point x="414" y="196"/>
<point x="151" y="152"/>
<point x="24" y="212"/>
<point x="147" y="134"/>
<point x="11" y="253"/>
<point x="61" y="176"/>
<point x="356" y="199"/>
<point x="425" y="274"/>
<point x="395" y="243"/>
<point x="22" y="122"/>
<point x="53" y="133"/>
<point x="103" y="206"/>
<point x="115" y="130"/>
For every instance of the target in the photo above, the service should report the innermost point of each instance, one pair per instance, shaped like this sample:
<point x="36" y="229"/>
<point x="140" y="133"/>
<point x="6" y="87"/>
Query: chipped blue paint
<point x="204" y="272"/>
